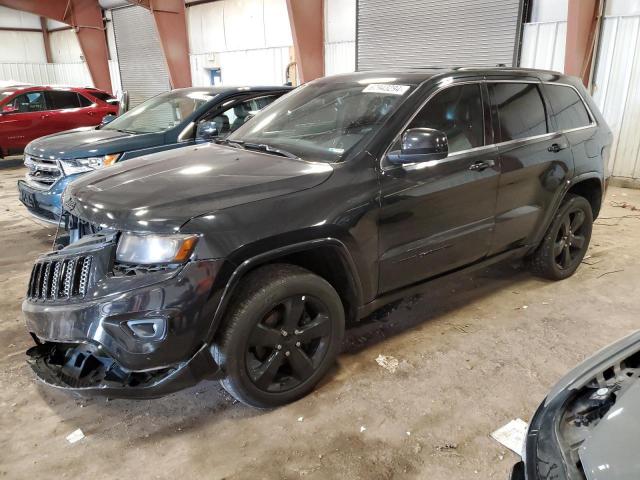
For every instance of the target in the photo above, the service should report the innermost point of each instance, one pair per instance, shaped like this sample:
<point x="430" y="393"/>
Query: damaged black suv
<point x="243" y="260"/>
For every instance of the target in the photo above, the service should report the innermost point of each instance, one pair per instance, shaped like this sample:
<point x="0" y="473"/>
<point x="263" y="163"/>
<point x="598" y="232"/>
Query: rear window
<point x="59" y="100"/>
<point x="521" y="110"/>
<point x="568" y="108"/>
<point x="101" y="95"/>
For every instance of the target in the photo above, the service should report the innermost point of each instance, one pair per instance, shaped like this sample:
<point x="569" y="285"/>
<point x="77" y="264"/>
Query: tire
<point x="569" y="234"/>
<point x="264" y="367"/>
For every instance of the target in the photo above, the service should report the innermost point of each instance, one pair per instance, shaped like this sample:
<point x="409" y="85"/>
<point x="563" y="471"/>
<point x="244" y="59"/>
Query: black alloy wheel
<point x="287" y="346"/>
<point x="281" y="333"/>
<point x="570" y="242"/>
<point x="566" y="242"/>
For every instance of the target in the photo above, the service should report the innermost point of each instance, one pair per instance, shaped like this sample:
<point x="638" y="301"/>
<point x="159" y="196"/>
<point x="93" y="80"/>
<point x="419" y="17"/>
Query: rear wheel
<point x="567" y="240"/>
<point x="282" y="333"/>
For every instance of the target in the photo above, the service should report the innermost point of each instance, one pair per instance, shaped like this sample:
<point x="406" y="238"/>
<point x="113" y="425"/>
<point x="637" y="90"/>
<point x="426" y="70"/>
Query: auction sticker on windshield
<point x="386" y="88"/>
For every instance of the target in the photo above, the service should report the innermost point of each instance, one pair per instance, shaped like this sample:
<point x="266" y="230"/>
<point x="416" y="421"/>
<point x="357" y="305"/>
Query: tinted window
<point x="233" y="118"/>
<point x="84" y="101"/>
<point x="568" y="108"/>
<point x="58" y="100"/>
<point x="101" y="95"/>
<point x="29" y="102"/>
<point x="457" y="111"/>
<point x="521" y="110"/>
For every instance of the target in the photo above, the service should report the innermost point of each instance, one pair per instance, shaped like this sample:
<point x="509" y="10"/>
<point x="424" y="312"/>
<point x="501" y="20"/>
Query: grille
<point x="59" y="279"/>
<point x="43" y="172"/>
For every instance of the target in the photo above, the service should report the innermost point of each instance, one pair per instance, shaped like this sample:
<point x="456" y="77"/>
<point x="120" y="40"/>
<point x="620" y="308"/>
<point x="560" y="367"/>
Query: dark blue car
<point x="173" y="119"/>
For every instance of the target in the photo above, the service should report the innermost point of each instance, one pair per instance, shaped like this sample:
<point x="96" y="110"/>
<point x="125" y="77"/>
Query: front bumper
<point x="90" y="345"/>
<point x="45" y="205"/>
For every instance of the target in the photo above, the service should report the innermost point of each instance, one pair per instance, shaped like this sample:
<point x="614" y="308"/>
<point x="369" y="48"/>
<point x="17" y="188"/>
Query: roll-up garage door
<point x="143" y="70"/>
<point x="410" y="33"/>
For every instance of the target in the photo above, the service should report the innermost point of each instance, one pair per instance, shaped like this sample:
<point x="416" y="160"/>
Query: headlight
<point x="81" y="165"/>
<point x="149" y="249"/>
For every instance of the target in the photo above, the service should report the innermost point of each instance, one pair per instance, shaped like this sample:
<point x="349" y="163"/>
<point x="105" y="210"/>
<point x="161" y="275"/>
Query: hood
<point x="610" y="452"/>
<point x="161" y="195"/>
<point x="91" y="142"/>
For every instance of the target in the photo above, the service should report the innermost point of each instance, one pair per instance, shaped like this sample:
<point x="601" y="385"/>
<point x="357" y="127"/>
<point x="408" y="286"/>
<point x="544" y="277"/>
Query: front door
<point x="438" y="216"/>
<point x="24" y="124"/>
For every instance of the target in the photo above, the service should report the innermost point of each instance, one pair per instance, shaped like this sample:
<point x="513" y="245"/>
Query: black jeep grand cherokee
<point x="243" y="261"/>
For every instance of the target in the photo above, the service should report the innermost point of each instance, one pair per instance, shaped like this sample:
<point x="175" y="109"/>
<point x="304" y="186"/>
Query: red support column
<point x="87" y="16"/>
<point x="171" y="22"/>
<point x="306" y="19"/>
<point x="581" y="29"/>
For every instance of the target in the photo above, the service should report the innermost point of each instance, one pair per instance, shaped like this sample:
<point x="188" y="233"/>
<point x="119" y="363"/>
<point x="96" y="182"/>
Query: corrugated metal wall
<point x="339" y="36"/>
<point x="617" y="87"/>
<point x="69" y="74"/>
<point x="543" y="45"/>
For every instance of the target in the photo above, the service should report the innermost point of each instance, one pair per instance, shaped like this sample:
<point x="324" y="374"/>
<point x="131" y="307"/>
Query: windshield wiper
<point x="263" y="147"/>
<point x="231" y="143"/>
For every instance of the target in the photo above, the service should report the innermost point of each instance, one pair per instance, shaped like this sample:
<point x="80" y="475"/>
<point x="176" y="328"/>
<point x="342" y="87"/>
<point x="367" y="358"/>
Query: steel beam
<point x="45" y="39"/>
<point x="306" y="19"/>
<point x="86" y="18"/>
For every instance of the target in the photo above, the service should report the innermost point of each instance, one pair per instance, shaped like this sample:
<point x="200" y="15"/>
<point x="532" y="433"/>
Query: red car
<point x="30" y="112"/>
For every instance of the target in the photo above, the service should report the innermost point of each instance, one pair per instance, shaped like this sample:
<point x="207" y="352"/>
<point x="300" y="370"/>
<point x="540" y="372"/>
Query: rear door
<point x="26" y="123"/>
<point x="66" y="112"/>
<point x="535" y="161"/>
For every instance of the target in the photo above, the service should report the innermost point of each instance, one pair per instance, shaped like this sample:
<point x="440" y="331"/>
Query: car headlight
<point x="81" y="165"/>
<point x="153" y="249"/>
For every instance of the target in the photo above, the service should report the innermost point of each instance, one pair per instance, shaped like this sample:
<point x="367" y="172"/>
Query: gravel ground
<point x="473" y="353"/>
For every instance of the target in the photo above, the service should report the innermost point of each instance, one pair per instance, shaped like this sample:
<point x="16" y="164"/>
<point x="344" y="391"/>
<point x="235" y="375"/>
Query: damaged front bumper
<point x="84" y="369"/>
<point x="130" y="335"/>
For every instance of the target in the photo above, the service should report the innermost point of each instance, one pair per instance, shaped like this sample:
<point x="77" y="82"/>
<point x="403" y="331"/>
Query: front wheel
<point x="566" y="241"/>
<point x="283" y="331"/>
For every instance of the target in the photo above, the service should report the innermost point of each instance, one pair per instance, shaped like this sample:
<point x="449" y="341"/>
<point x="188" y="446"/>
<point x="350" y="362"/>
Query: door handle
<point x="44" y="116"/>
<point x="481" y="165"/>
<point x="557" y="147"/>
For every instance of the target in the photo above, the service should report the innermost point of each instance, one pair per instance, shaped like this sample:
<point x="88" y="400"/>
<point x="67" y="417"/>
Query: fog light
<point x="149" y="328"/>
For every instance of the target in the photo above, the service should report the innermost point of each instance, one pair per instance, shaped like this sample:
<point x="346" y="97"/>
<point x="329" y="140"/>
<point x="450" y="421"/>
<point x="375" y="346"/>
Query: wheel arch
<point x="327" y="257"/>
<point x="589" y="186"/>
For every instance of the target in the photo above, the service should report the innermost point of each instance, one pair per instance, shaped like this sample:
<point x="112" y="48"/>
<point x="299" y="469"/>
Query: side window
<point x="233" y="118"/>
<point x="458" y="112"/>
<point x="29" y="102"/>
<point x="60" y="99"/>
<point x="521" y="110"/>
<point x="84" y="101"/>
<point x="568" y="107"/>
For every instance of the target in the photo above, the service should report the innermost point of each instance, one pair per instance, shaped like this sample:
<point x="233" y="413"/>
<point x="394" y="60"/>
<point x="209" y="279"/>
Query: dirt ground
<point x="474" y="351"/>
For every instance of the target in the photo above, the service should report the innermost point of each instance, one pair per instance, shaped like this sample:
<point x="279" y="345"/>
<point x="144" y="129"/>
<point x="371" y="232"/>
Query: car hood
<point x="91" y="142"/>
<point x="161" y="195"/>
<point x="611" y="450"/>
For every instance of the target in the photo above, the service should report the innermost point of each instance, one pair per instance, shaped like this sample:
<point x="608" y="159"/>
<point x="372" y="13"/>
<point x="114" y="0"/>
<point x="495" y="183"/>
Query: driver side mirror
<point x="207" y="130"/>
<point x="9" y="109"/>
<point x="420" y="145"/>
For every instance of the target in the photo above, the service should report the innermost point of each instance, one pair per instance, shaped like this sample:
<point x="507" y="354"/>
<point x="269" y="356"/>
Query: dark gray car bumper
<point x="88" y="346"/>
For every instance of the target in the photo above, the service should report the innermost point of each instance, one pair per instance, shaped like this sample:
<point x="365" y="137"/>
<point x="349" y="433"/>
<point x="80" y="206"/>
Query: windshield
<point x="161" y="112"/>
<point x="322" y="121"/>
